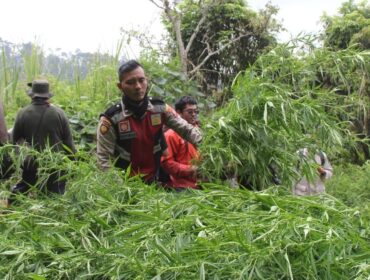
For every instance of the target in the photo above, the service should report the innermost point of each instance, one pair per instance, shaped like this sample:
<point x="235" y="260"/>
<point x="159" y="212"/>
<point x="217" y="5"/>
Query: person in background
<point x="317" y="184"/>
<point x="3" y="131"/>
<point x="130" y="133"/>
<point x="41" y="125"/>
<point x="6" y="166"/>
<point x="178" y="163"/>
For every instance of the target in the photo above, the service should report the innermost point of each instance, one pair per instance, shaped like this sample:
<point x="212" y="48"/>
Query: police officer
<point x="130" y="132"/>
<point x="311" y="186"/>
<point x="41" y="125"/>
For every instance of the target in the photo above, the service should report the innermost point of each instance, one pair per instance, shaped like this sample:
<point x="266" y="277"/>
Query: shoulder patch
<point x="113" y="110"/>
<point x="322" y="157"/>
<point x="156" y="101"/>
<point x="105" y="125"/>
<point x="170" y="110"/>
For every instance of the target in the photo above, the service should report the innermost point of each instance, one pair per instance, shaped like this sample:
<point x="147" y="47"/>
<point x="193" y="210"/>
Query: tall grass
<point x="282" y="103"/>
<point x="109" y="226"/>
<point x="83" y="99"/>
<point x="9" y="77"/>
<point x="350" y="185"/>
<point x="33" y="62"/>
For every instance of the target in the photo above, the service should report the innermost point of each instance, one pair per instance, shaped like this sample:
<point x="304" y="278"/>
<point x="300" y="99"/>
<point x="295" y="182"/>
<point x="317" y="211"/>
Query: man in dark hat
<point x="130" y="132"/>
<point x="41" y="125"/>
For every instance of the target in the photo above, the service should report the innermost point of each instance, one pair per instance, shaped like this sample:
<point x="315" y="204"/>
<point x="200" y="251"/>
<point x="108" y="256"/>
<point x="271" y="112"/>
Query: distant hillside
<point x="64" y="65"/>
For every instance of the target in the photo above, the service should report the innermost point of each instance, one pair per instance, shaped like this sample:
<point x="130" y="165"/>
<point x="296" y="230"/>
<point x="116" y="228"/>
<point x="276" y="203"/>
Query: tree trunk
<point x="180" y="43"/>
<point x="175" y="19"/>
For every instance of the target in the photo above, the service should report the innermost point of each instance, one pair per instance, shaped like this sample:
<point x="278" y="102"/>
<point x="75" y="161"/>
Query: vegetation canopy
<point x="280" y="98"/>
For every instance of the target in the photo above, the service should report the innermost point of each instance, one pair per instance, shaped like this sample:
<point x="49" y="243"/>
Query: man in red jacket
<point x="179" y="161"/>
<point x="130" y="132"/>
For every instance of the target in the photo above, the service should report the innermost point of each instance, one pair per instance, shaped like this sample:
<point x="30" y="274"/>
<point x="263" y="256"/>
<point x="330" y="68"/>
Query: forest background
<point x="260" y="101"/>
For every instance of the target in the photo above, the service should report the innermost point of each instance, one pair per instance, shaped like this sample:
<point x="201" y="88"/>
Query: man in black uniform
<point x="41" y="125"/>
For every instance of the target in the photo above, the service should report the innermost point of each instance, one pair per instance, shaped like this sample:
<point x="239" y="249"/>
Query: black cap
<point x="39" y="88"/>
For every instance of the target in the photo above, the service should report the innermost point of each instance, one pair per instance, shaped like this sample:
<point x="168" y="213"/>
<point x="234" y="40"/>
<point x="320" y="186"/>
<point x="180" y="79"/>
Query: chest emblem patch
<point x="124" y="126"/>
<point x="155" y="119"/>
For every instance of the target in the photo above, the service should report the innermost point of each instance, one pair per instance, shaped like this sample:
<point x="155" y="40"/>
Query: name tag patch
<point x="155" y="119"/>
<point x="124" y="126"/>
<point x="127" y="135"/>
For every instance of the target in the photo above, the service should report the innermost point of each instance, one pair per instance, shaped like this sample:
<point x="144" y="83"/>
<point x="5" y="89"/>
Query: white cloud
<point x="71" y="24"/>
<point x="95" y="24"/>
<point x="300" y="15"/>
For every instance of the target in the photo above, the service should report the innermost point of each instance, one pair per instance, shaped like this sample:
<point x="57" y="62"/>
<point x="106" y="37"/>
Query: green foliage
<point x="286" y="95"/>
<point x="276" y="105"/>
<point x="345" y="74"/>
<point x="33" y="62"/>
<point x="167" y="82"/>
<point x="109" y="226"/>
<point x="350" y="27"/>
<point x="231" y="37"/>
<point x="89" y="94"/>
<point x="338" y="79"/>
<point x="264" y="125"/>
<point x="350" y="185"/>
<point x="9" y="76"/>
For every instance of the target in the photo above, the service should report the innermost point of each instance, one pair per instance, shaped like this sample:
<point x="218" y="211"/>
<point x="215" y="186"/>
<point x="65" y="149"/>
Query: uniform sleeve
<point x="327" y="166"/>
<point x="182" y="127"/>
<point x="169" y="163"/>
<point x="106" y="141"/>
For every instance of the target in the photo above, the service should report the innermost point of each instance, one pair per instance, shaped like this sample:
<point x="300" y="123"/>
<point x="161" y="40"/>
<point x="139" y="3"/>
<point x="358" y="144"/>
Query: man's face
<point x="134" y="84"/>
<point x="190" y="113"/>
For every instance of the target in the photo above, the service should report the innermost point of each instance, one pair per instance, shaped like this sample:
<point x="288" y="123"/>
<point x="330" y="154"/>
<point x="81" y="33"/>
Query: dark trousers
<point x="53" y="183"/>
<point x="6" y="166"/>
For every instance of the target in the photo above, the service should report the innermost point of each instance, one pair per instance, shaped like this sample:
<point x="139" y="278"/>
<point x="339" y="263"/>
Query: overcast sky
<point x="95" y="24"/>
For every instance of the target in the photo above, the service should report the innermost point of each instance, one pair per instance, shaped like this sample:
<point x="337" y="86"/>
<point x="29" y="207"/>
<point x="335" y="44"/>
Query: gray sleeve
<point x="106" y="141"/>
<point x="327" y="166"/>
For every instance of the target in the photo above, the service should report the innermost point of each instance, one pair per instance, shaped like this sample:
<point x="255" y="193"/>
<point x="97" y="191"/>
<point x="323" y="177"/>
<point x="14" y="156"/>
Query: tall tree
<point x="351" y="26"/>
<point x="351" y="29"/>
<point x="215" y="39"/>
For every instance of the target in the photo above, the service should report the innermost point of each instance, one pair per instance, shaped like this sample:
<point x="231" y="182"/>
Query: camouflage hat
<point x="39" y="88"/>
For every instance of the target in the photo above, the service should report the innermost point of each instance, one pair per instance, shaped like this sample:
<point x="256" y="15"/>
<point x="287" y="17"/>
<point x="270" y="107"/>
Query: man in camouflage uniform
<point x="316" y="184"/>
<point x="130" y="132"/>
<point x="41" y="125"/>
